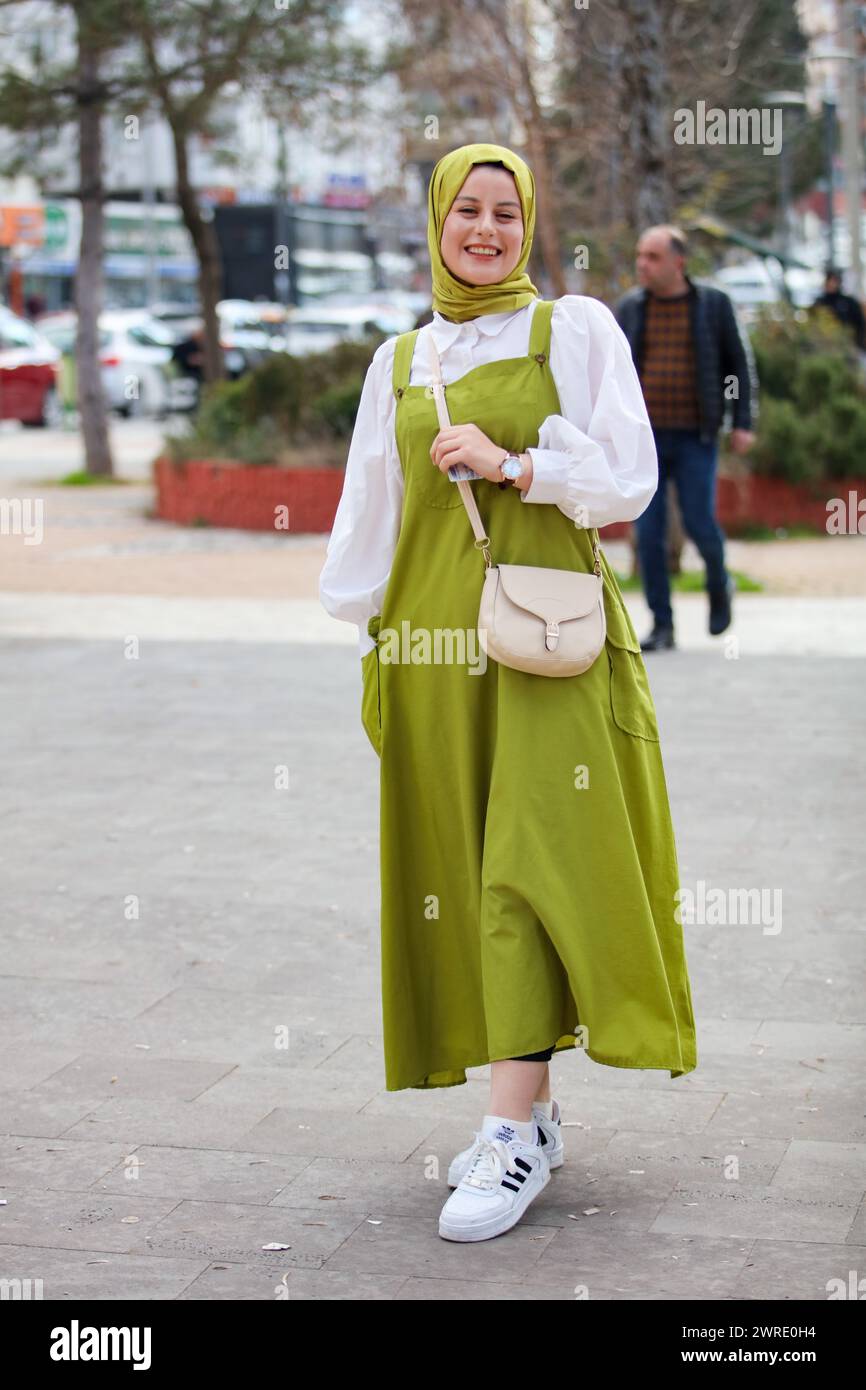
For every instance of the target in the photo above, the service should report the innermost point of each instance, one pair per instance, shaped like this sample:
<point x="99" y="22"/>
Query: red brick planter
<point x="248" y="497"/>
<point x="759" y="501"/>
<point x="245" y="496"/>
<point x="774" y="502"/>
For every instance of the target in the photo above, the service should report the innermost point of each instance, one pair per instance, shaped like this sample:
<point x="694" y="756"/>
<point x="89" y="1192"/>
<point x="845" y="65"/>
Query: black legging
<point x="544" y="1056"/>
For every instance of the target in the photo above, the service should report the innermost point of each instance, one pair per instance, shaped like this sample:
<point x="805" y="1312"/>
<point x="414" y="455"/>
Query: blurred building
<point x="345" y="223"/>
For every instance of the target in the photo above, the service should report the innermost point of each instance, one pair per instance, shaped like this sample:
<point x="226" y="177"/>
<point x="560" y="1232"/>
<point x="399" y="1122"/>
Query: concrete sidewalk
<point x="171" y="917"/>
<point x="763" y="625"/>
<point x="104" y="568"/>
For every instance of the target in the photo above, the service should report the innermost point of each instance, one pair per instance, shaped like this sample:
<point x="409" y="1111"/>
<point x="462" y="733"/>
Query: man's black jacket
<point x="721" y="351"/>
<point x="847" y="311"/>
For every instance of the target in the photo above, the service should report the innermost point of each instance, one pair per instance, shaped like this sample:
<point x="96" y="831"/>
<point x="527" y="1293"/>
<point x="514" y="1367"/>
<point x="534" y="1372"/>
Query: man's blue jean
<point x="692" y="465"/>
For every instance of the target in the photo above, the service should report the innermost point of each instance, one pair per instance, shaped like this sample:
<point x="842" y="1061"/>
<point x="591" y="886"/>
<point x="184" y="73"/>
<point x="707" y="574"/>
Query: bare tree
<point x="89" y="278"/>
<point x="36" y="103"/>
<point x="478" y="60"/>
<point x="295" y="52"/>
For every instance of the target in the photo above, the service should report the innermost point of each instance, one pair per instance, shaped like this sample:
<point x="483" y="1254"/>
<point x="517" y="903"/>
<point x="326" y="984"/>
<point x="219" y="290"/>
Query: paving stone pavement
<point x="171" y="915"/>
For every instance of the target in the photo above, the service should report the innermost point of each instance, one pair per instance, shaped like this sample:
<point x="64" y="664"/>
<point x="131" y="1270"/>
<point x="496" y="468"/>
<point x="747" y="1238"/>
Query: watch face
<point x="512" y="467"/>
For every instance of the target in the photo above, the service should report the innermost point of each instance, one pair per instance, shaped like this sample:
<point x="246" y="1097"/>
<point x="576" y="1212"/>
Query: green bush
<point x="287" y="402"/>
<point x="780" y="437"/>
<point x="812" y="417"/>
<point x="337" y="408"/>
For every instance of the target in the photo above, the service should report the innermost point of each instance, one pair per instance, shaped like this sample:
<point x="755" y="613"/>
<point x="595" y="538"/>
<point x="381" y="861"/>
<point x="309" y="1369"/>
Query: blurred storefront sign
<point x="136" y="236"/>
<point x="22" y="224"/>
<point x="345" y="191"/>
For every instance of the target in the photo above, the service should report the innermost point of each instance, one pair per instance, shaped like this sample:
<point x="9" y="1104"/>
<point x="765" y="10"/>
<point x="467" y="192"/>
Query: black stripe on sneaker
<point x="518" y="1177"/>
<point x="521" y="1163"/>
<point x="510" y="1184"/>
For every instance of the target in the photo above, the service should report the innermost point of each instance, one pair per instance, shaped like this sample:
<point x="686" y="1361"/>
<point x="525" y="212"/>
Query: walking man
<point x="691" y="359"/>
<point x="846" y="308"/>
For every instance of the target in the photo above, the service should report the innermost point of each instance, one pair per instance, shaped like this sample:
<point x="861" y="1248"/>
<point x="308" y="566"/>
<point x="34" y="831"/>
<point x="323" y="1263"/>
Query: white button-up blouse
<point x="599" y="453"/>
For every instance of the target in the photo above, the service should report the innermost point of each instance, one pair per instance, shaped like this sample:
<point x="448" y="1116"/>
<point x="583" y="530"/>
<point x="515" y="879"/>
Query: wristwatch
<point x="511" y="468"/>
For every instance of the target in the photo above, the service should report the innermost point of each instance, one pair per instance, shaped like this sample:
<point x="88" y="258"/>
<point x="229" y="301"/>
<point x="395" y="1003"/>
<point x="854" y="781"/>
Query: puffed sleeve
<point x="600" y="453"/>
<point x="363" y="538"/>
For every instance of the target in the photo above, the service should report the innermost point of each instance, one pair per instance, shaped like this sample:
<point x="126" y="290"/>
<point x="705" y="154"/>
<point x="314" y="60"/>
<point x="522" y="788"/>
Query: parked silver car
<point x="139" y="375"/>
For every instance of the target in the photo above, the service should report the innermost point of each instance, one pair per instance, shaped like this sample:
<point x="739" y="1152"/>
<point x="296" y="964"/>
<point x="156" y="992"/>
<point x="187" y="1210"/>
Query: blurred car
<point x="249" y="329"/>
<point x="29" y="367"/>
<point x="316" y="328"/>
<point x="273" y="318"/>
<point x="138" y="345"/>
<point x="321" y="274"/>
<point x="805" y="285"/>
<point x="174" y="310"/>
<point x="246" y="334"/>
<point x="134" y="349"/>
<point x="753" y="284"/>
<point x="252" y="329"/>
<point x="749" y="285"/>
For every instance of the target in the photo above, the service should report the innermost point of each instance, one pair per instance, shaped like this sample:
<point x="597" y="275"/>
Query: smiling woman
<point x="482" y="236"/>
<point x="528" y="866"/>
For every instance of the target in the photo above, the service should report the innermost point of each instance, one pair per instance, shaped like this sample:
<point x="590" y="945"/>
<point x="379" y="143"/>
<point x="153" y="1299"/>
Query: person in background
<point x="34" y="307"/>
<point x="691" y="359"/>
<point x="846" y="308"/>
<point x="189" y="354"/>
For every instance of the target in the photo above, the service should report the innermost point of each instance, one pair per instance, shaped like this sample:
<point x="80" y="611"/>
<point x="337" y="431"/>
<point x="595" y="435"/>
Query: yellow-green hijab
<point x="453" y="297"/>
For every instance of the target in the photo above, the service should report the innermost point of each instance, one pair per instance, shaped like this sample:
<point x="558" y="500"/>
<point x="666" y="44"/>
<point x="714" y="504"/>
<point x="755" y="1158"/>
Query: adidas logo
<point x="505" y="1133"/>
<point x="512" y="1180"/>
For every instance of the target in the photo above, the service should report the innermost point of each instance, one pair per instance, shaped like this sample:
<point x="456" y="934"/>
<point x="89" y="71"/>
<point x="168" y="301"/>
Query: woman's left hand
<point x="470" y="445"/>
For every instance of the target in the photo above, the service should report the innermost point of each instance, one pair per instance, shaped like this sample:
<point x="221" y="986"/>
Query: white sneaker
<point x="500" y="1181"/>
<point x="550" y="1134"/>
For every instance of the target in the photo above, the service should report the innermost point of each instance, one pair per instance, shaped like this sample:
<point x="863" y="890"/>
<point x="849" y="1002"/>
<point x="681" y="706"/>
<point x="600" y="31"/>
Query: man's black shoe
<point x="660" y="639"/>
<point x="720" y="608"/>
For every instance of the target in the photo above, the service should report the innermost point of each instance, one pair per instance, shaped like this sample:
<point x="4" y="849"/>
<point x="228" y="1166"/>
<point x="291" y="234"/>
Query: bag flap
<point x="551" y="594"/>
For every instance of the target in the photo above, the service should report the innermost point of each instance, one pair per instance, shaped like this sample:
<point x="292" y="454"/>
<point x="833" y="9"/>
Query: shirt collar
<point x="445" y="332"/>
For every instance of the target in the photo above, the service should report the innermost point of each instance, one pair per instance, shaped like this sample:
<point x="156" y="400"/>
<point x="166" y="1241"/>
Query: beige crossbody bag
<point x="550" y="622"/>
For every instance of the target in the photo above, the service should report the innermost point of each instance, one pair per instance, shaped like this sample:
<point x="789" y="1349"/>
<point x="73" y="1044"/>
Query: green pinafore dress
<point x="527" y="854"/>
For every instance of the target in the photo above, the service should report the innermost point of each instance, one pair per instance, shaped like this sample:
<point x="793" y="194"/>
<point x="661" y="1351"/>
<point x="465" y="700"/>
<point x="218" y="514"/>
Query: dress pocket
<point x="435" y="488"/>
<point x="631" y="700"/>
<point x="371" y="713"/>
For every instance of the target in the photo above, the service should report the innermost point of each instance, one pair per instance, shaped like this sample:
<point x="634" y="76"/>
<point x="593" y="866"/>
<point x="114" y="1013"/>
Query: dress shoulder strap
<point x="539" y="336"/>
<point x="403" y="353"/>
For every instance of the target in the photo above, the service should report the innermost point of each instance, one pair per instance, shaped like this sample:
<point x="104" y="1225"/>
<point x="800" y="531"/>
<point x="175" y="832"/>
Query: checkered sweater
<point x="667" y="372"/>
<point x="721" y="352"/>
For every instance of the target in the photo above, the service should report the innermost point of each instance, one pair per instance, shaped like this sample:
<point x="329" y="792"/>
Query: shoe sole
<point x="455" y="1174"/>
<point x="502" y="1223"/>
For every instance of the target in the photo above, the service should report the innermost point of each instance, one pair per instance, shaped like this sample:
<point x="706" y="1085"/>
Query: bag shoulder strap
<point x="482" y="541"/>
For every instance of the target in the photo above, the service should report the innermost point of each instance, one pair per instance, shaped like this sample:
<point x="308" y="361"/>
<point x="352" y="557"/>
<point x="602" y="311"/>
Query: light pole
<point x="828" y="106"/>
<point x="793" y="101"/>
<point x="852" y="155"/>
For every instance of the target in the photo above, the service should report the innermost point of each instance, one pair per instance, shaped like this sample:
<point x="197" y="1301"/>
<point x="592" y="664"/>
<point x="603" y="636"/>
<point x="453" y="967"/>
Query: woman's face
<point x="485" y="214"/>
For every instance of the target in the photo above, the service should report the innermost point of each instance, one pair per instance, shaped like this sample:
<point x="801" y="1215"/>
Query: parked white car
<point x="318" y="327"/>
<point x="754" y="283"/>
<point x="246" y="334"/>
<point x="138" y="373"/>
